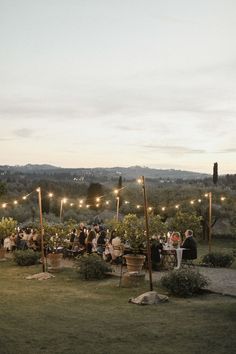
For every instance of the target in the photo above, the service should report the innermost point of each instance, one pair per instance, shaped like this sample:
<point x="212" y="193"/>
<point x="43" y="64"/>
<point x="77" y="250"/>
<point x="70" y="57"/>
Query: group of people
<point x="22" y="239"/>
<point x="94" y="239"/>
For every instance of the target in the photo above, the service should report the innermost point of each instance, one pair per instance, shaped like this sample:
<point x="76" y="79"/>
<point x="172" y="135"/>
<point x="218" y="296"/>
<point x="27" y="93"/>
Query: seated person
<point x="191" y="246"/>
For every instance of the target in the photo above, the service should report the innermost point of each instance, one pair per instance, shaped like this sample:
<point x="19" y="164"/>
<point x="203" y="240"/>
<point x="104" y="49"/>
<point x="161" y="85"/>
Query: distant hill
<point x="126" y="172"/>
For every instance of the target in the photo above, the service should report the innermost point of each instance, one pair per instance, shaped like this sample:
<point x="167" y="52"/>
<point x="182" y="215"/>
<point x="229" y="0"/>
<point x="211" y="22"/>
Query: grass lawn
<point x="67" y="315"/>
<point x="218" y="245"/>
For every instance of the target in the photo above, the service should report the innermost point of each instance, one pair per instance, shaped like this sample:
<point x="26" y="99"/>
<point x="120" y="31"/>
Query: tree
<point x="215" y="173"/>
<point x="95" y="190"/>
<point x="183" y="221"/>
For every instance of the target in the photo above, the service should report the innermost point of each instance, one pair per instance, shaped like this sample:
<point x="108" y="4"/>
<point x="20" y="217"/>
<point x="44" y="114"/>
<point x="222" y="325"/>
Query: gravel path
<point x="221" y="280"/>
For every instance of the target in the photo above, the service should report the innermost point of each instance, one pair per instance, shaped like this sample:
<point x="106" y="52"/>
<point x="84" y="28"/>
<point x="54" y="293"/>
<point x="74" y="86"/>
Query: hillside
<point x="126" y="172"/>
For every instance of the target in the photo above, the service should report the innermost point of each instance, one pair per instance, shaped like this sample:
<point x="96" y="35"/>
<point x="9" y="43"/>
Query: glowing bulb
<point x="38" y="190"/>
<point x="4" y="205"/>
<point x="126" y="202"/>
<point x="15" y="202"/>
<point x="64" y="200"/>
<point x="116" y="191"/>
<point x="97" y="205"/>
<point x="97" y="199"/>
<point x="163" y="208"/>
<point x="192" y="202"/>
<point x="71" y="204"/>
<point x="107" y="202"/>
<point x="150" y="208"/>
<point x="80" y="205"/>
<point x="50" y="195"/>
<point x="206" y="195"/>
<point x="25" y="197"/>
<point x="87" y="206"/>
<point x="177" y="206"/>
<point x="81" y="201"/>
<point x="222" y="199"/>
<point x="138" y="206"/>
<point x="139" y="180"/>
<point x="199" y="200"/>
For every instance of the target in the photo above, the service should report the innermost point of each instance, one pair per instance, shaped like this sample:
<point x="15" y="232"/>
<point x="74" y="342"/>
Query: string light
<point x="107" y="202"/>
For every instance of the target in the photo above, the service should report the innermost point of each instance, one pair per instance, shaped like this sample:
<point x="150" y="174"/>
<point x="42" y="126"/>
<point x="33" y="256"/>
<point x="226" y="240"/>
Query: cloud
<point x="23" y="133"/>
<point x="226" y="151"/>
<point x="174" y="150"/>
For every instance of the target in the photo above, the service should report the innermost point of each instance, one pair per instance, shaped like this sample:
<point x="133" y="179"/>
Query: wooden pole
<point x="41" y="227"/>
<point x="209" y="220"/>
<point x="61" y="210"/>
<point x="117" y="208"/>
<point x="147" y="234"/>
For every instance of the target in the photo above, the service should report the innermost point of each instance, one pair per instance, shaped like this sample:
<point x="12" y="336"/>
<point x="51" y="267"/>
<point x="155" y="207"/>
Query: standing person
<point x="90" y="241"/>
<point x="191" y="246"/>
<point x="82" y="235"/>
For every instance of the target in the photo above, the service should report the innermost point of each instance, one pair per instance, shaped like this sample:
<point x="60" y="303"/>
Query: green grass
<point x="67" y="315"/>
<point x="218" y="245"/>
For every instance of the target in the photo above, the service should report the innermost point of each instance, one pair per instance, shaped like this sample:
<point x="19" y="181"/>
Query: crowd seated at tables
<point x="97" y="239"/>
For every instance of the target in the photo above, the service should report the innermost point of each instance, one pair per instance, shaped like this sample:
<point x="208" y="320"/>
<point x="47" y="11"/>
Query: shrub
<point x="184" y="282"/>
<point x="26" y="258"/>
<point x="91" y="266"/>
<point x="217" y="259"/>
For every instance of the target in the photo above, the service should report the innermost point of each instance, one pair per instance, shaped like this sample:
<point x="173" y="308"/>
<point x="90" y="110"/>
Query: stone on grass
<point x="41" y="276"/>
<point x="149" y="298"/>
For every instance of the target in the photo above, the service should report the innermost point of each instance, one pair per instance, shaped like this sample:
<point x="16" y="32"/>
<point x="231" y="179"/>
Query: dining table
<point x="173" y="255"/>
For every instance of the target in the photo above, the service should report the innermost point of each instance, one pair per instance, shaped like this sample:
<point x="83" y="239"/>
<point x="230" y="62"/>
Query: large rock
<point x="149" y="298"/>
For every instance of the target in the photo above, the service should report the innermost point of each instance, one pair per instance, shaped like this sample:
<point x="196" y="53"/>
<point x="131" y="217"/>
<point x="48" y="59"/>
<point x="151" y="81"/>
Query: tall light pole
<point x="63" y="201"/>
<point x="209" y="220"/>
<point x="41" y="227"/>
<point x="117" y="204"/>
<point x="142" y="182"/>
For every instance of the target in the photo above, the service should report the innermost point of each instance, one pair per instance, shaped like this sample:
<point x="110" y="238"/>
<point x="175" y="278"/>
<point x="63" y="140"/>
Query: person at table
<point x="191" y="246"/>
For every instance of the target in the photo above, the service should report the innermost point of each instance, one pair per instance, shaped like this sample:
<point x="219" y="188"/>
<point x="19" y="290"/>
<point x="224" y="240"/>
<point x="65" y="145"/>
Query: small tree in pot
<point x="131" y="230"/>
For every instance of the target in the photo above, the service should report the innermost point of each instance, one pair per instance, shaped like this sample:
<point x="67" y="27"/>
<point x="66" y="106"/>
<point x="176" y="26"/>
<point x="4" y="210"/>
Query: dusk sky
<point x="103" y="83"/>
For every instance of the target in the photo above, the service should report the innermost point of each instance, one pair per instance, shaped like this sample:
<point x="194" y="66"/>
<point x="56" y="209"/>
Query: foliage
<point x="218" y="259"/>
<point x="184" y="282"/>
<point x="7" y="227"/>
<point x="156" y="226"/>
<point x="26" y="257"/>
<point x="131" y="229"/>
<point x="55" y="235"/>
<point x="91" y="266"/>
<point x="183" y="221"/>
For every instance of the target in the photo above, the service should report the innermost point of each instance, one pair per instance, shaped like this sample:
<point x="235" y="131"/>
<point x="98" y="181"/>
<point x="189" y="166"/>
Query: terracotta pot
<point x="134" y="262"/>
<point x="2" y="253"/>
<point x="55" y="261"/>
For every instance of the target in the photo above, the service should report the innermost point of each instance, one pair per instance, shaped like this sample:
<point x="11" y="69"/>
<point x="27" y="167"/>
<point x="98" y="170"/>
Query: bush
<point x="217" y="259"/>
<point x="91" y="266"/>
<point x="26" y="258"/>
<point x="184" y="282"/>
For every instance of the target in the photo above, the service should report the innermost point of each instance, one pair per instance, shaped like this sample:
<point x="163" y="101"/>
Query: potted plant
<point x="55" y="241"/>
<point x="7" y="227"/>
<point x="131" y="229"/>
